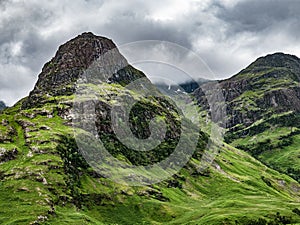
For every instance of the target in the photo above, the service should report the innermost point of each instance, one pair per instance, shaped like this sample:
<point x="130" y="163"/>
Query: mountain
<point x="47" y="179"/>
<point x="60" y="74"/>
<point x="2" y="105"/>
<point x="188" y="86"/>
<point x="263" y="105"/>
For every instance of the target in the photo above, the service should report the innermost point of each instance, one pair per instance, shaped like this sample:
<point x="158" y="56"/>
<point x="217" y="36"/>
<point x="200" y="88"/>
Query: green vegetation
<point x="274" y="141"/>
<point x="44" y="178"/>
<point x="263" y="112"/>
<point x="48" y="182"/>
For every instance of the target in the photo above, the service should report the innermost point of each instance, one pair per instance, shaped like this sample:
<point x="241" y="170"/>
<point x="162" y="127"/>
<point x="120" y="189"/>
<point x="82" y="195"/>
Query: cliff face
<point x="267" y="86"/>
<point x="70" y="61"/>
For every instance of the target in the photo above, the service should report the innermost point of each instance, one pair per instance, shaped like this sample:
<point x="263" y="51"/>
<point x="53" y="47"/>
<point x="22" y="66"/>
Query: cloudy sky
<point x="226" y="34"/>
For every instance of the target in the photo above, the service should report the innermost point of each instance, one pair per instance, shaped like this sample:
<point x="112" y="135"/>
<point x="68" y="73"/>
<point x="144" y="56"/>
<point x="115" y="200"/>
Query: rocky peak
<point x="276" y="60"/>
<point x="70" y="60"/>
<point x="59" y="75"/>
<point x="80" y="52"/>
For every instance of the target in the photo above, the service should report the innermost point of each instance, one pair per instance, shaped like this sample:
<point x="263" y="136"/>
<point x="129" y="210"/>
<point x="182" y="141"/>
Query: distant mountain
<point x="263" y="106"/>
<point x="46" y="179"/>
<point x="188" y="86"/>
<point x="2" y="105"/>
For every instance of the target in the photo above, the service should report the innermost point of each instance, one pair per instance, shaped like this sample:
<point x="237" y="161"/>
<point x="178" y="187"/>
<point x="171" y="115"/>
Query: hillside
<point x="263" y="111"/>
<point x="45" y="178"/>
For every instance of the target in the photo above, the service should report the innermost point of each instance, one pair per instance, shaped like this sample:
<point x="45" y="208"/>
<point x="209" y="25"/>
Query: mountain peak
<point x="72" y="59"/>
<point x="284" y="64"/>
<point x="89" y="35"/>
<point x="83" y="49"/>
<point x="278" y="59"/>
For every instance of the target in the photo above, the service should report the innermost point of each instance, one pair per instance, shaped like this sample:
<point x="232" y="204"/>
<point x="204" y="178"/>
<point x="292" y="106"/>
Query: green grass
<point x="229" y="196"/>
<point x="286" y="156"/>
<point x="36" y="184"/>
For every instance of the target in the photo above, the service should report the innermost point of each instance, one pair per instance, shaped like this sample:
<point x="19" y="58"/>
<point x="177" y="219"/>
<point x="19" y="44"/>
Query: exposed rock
<point x="7" y="154"/>
<point x="40" y="219"/>
<point x="4" y="122"/>
<point x="44" y="127"/>
<point x="59" y="76"/>
<point x="25" y="123"/>
<point x="6" y="136"/>
<point x="2" y="105"/>
<point x="29" y="154"/>
<point x="26" y="189"/>
<point x="153" y="193"/>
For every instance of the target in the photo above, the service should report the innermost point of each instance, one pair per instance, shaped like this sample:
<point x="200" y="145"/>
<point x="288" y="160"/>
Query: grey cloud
<point x="133" y="27"/>
<point x="257" y="15"/>
<point x="227" y="37"/>
<point x="21" y="47"/>
<point x="25" y="22"/>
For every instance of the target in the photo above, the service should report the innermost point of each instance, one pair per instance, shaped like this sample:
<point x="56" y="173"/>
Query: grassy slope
<point x="234" y="189"/>
<point x="274" y="127"/>
<point x="35" y="186"/>
<point x="276" y="146"/>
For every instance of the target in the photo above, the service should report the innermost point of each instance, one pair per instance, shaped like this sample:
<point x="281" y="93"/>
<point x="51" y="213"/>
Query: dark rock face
<point x="7" y="154"/>
<point x="71" y="59"/>
<point x="59" y="75"/>
<point x="2" y="105"/>
<point x="282" y="100"/>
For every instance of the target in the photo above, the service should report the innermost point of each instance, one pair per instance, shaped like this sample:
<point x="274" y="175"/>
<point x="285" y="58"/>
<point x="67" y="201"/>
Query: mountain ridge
<point x="277" y="60"/>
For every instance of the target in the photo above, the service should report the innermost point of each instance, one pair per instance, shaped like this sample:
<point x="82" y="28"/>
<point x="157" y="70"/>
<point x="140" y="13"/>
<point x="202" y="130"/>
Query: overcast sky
<point x="227" y="34"/>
